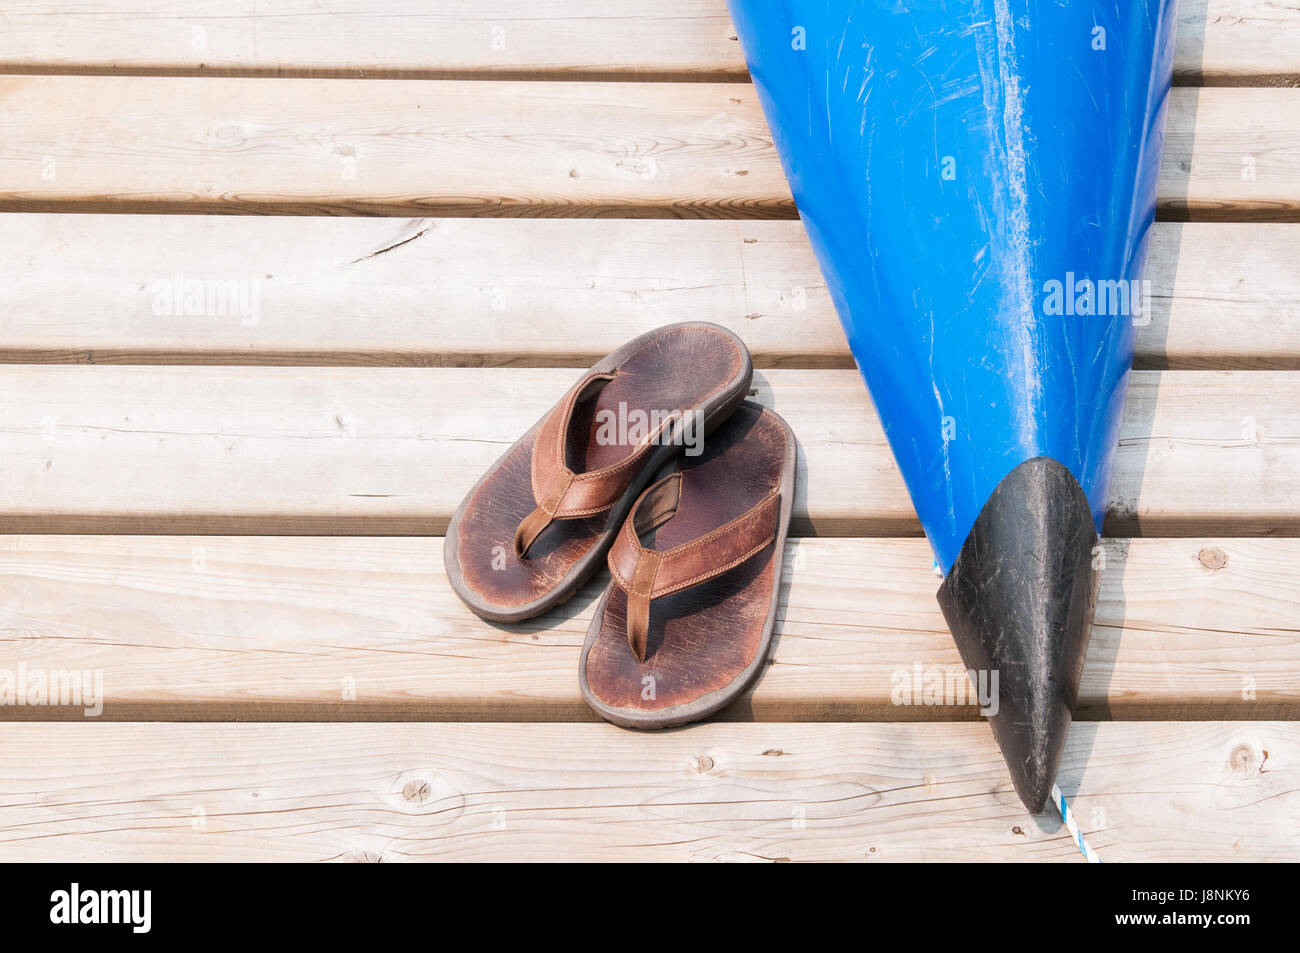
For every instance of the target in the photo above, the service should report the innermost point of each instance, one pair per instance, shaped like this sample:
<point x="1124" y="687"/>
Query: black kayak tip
<point x="1019" y="601"/>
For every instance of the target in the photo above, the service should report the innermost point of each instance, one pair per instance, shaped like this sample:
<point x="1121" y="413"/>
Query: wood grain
<point x="1224" y="42"/>
<point x="1231" y="154"/>
<point x="432" y="39"/>
<point x="431" y="292"/>
<point x="712" y="792"/>
<point x="386" y="147"/>
<point x="389" y="147"/>
<point x="354" y="629"/>
<point x="392" y="451"/>
<point x="1237" y="42"/>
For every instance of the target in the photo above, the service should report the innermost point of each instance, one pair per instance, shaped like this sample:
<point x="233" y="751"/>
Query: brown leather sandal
<point x="541" y="520"/>
<point x="685" y="626"/>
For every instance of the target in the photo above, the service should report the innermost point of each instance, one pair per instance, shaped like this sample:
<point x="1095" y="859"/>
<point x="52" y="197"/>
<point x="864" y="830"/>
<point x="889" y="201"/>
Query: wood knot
<point x="1244" y="760"/>
<point x="1212" y="557"/>
<point x="703" y="764"/>
<point x="417" y="791"/>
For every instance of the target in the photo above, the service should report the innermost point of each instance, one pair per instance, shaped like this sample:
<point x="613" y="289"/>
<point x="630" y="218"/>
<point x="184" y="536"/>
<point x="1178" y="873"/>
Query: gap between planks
<point x="362" y="629"/>
<point x="1142" y="792"/>
<point x="1220" y="42"/>
<point x="101" y="289"/>
<point x="389" y="147"/>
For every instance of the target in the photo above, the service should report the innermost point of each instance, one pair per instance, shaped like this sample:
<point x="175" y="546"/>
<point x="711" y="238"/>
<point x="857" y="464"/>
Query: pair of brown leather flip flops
<point x="655" y="462"/>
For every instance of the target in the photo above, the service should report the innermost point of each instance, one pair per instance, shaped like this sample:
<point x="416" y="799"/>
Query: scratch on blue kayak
<point x="1018" y="295"/>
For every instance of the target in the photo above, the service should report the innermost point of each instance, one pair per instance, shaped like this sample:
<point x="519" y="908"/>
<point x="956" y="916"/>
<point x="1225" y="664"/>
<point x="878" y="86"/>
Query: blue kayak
<point x="978" y="181"/>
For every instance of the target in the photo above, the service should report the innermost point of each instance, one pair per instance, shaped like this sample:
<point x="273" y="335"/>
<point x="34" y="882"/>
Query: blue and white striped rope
<point x="1073" y="827"/>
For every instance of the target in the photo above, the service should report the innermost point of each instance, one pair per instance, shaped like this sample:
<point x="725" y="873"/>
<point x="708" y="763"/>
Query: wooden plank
<point x="1143" y="792"/>
<point x="325" y="451"/>
<point x="388" y="147"/>
<point x="93" y="289"/>
<point x="1211" y="283"/>
<point x="1228" y="155"/>
<point x="1237" y="42"/>
<point x="1227" y="42"/>
<point x="338" y="628"/>
<point x="430" y="39"/>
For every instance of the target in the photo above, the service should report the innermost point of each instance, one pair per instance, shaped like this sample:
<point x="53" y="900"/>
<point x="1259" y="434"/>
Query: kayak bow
<point x="978" y="181"/>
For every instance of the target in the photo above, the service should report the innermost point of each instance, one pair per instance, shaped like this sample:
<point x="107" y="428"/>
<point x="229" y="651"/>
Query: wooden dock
<point x="229" y="443"/>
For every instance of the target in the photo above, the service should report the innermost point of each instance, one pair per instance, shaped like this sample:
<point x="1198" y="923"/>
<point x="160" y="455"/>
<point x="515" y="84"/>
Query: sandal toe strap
<point x="647" y="574"/>
<point x="558" y="492"/>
